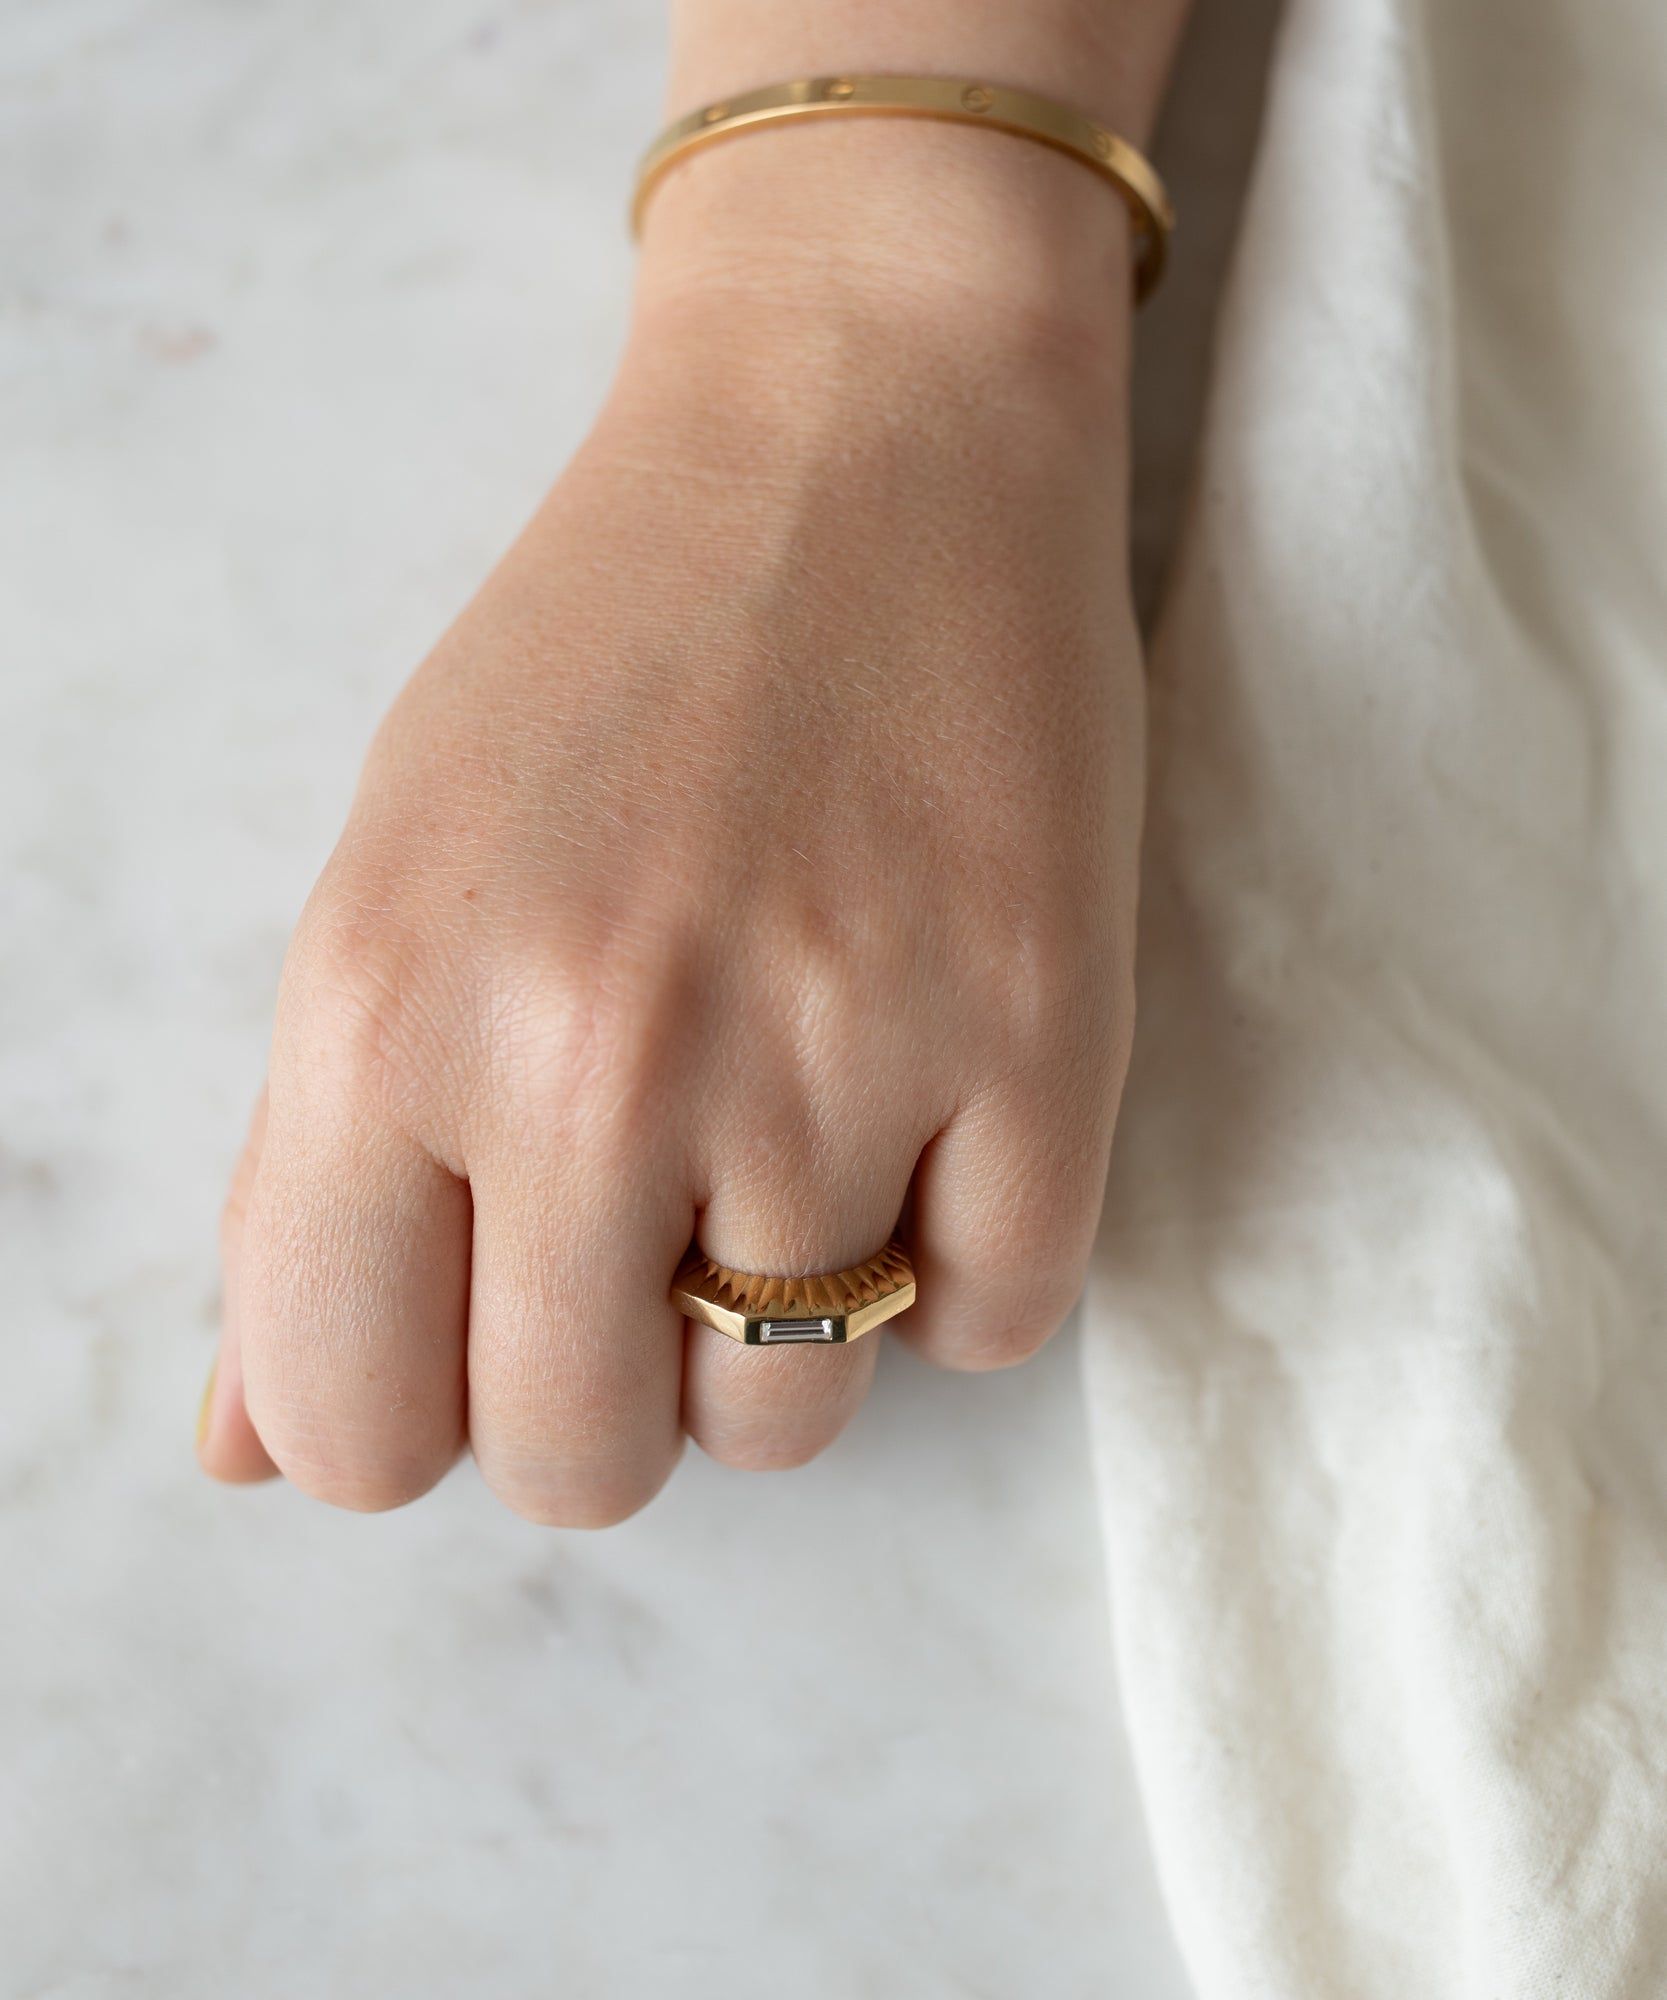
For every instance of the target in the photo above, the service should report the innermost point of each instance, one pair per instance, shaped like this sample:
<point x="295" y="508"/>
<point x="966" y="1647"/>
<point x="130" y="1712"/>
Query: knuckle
<point x="577" y="1494"/>
<point x="363" y="1462"/>
<point x="593" y="1041"/>
<point x="1011" y="1342"/>
<point x="563" y="1506"/>
<point x="779" y="1415"/>
<point x="349" y="1012"/>
<point x="1010" y="1325"/>
<point x="1057" y="988"/>
<point x="368" y="1486"/>
<point x="754" y="1448"/>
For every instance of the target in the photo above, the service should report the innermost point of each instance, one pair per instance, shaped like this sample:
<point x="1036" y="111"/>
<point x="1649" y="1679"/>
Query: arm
<point x="757" y="854"/>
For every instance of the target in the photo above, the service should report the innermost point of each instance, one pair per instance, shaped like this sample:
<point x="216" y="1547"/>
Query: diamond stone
<point x="768" y="1331"/>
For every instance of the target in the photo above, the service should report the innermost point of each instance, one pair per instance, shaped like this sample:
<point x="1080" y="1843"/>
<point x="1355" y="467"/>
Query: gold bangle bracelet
<point x="962" y="102"/>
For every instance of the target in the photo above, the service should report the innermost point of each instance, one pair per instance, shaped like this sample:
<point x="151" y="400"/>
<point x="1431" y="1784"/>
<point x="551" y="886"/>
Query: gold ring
<point x="841" y="1306"/>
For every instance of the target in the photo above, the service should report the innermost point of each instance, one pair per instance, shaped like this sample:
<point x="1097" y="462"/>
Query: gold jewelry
<point x="764" y="1311"/>
<point x="1020" y="112"/>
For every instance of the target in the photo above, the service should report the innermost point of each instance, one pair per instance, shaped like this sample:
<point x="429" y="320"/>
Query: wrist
<point x="1110" y="59"/>
<point x="931" y="237"/>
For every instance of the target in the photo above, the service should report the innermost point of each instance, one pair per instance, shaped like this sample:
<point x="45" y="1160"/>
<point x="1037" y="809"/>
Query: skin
<point x="755" y="861"/>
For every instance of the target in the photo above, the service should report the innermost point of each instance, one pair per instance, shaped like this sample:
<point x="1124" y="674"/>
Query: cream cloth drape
<point x="1376" y="1336"/>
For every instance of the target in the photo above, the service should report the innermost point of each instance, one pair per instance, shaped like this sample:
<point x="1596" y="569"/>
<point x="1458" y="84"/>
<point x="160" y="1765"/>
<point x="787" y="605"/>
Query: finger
<point x="767" y="1408"/>
<point x="1006" y="1202"/>
<point x="351" y="1302"/>
<point x="575" y="1350"/>
<point x="227" y="1446"/>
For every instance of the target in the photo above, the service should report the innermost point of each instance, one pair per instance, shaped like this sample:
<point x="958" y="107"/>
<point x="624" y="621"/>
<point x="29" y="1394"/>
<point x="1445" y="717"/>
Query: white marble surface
<point x="303" y="306"/>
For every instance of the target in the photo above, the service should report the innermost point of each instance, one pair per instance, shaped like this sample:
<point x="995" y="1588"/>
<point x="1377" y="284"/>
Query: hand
<point x="756" y="858"/>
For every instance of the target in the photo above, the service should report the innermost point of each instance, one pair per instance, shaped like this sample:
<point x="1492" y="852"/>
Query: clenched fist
<point x="754" y="863"/>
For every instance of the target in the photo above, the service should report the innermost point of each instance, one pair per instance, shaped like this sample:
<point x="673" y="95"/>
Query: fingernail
<point x="207" y="1407"/>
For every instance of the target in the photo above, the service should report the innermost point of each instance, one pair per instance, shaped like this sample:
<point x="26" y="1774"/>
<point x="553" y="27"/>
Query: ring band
<point x="766" y="1312"/>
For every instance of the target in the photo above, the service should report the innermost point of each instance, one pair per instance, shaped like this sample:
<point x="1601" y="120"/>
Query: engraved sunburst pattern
<point x="836" y="1292"/>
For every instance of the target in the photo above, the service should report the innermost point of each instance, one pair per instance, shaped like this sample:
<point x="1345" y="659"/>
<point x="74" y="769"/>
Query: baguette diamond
<point x="765" y="1332"/>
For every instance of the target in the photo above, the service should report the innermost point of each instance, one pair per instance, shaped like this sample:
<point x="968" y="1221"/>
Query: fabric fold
<point x="1375" y="1336"/>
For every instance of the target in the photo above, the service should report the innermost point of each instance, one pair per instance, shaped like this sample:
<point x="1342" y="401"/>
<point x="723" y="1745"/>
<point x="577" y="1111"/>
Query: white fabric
<point x="1376" y="1335"/>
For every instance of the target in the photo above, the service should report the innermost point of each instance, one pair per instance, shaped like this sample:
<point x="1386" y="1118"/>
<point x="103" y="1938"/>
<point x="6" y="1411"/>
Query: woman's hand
<point x="755" y="858"/>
